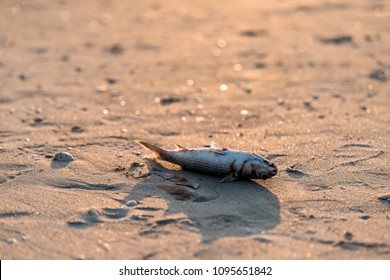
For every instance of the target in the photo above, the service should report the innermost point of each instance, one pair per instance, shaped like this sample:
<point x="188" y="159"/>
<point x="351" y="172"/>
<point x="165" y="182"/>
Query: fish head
<point x="262" y="168"/>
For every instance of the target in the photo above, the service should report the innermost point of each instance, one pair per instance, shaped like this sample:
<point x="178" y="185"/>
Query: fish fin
<point x="229" y="178"/>
<point x="218" y="152"/>
<point x="180" y="148"/>
<point x="150" y="147"/>
<point x="215" y="146"/>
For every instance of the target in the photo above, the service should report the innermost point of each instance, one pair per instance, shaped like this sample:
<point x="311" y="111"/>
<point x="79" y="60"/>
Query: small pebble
<point x="307" y="103"/>
<point x="166" y="100"/>
<point x="111" y="80"/>
<point x="280" y="101"/>
<point x="77" y="129"/>
<point x="100" y="89"/>
<point x="79" y="68"/>
<point x="365" y="217"/>
<point x="348" y="235"/>
<point x="22" y="76"/>
<point x="63" y="157"/>
<point x="115" y="49"/>
<point x="131" y="203"/>
<point x="11" y="241"/>
<point x="38" y="120"/>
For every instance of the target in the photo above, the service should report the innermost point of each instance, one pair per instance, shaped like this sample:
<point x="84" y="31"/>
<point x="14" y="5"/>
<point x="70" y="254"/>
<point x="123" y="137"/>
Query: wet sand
<point x="305" y="83"/>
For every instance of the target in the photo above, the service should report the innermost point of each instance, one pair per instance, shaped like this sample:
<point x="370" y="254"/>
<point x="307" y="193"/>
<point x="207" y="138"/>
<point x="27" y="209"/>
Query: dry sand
<point x="306" y="83"/>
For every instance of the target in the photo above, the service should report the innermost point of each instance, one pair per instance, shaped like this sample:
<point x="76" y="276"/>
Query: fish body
<point x="218" y="161"/>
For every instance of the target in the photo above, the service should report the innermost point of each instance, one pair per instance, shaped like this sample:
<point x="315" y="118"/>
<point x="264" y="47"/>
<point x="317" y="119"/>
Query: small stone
<point x="280" y="101"/>
<point x="348" y="235"/>
<point x="380" y="75"/>
<point x="77" y="129"/>
<point x="63" y="157"/>
<point x="10" y="241"/>
<point x="115" y="49"/>
<point x="166" y="100"/>
<point x="101" y="89"/>
<point x="365" y="217"/>
<point x="307" y="103"/>
<point x="22" y="76"/>
<point x="38" y="120"/>
<point x="131" y="203"/>
<point x="112" y="80"/>
<point x="79" y="68"/>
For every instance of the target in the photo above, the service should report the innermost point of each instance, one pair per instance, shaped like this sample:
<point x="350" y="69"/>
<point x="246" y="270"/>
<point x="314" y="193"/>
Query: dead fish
<point x="218" y="161"/>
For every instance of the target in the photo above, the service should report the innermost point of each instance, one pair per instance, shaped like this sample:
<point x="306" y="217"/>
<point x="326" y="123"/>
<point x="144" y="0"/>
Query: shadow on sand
<point x="216" y="209"/>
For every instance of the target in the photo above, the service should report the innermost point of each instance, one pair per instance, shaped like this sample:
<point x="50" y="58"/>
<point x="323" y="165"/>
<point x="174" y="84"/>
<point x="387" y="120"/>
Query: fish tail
<point x="151" y="147"/>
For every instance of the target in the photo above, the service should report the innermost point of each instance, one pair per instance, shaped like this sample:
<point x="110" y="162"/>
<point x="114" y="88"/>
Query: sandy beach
<point x="304" y="83"/>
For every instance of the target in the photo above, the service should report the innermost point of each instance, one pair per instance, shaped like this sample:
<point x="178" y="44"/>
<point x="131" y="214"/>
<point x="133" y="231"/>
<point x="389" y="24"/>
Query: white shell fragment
<point x="63" y="157"/>
<point x="131" y="203"/>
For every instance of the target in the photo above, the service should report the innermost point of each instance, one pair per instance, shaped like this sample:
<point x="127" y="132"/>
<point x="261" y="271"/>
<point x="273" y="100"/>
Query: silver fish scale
<point x="206" y="160"/>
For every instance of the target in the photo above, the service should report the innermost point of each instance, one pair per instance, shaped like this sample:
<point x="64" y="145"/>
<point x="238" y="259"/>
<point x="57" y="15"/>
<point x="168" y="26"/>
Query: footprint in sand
<point x="78" y="184"/>
<point x="95" y="216"/>
<point x="354" y="153"/>
<point x="12" y="170"/>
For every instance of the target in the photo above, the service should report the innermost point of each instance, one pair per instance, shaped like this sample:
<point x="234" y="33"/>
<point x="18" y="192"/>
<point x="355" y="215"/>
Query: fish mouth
<point x="270" y="173"/>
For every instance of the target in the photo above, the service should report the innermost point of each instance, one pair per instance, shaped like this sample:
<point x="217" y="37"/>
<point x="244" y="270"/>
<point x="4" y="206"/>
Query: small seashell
<point x="131" y="203"/>
<point x="63" y="157"/>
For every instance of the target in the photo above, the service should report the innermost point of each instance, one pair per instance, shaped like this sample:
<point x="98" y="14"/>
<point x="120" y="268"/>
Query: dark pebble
<point x="254" y="33"/>
<point x="168" y="100"/>
<point x="379" y="75"/>
<point x="22" y="77"/>
<point x="38" y="120"/>
<point x="77" y="129"/>
<point x="115" y="49"/>
<point x="365" y="217"/>
<point x="348" y="236"/>
<point x="112" y="81"/>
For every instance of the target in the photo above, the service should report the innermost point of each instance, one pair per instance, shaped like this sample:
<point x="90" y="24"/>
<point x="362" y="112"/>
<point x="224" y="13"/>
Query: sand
<point x="305" y="83"/>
